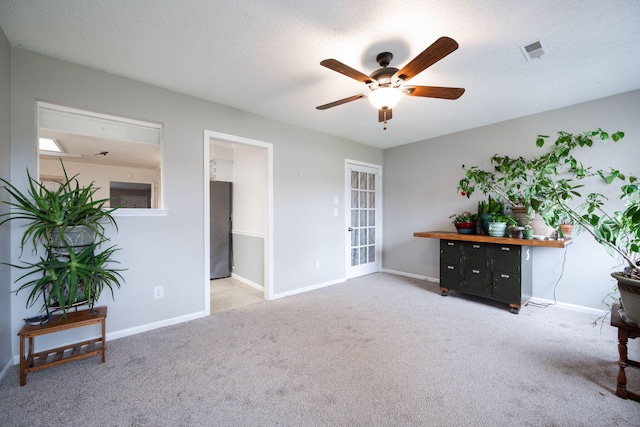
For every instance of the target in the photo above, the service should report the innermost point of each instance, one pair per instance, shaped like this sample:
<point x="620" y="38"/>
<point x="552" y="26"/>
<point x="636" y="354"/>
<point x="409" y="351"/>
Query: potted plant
<point x="487" y="209"/>
<point x="68" y="213"/>
<point x="499" y="223"/>
<point x="465" y="222"/>
<point x="69" y="280"/>
<point x="68" y="225"/>
<point x="565" y="228"/>
<point x="618" y="231"/>
<point x="518" y="180"/>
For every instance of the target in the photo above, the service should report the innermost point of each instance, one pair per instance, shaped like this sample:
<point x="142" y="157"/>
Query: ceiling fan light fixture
<point x="385" y="97"/>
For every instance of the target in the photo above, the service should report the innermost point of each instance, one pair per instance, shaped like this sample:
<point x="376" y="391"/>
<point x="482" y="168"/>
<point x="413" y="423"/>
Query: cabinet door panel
<point x="477" y="281"/>
<point x="451" y="252"/>
<point x="451" y="276"/>
<point x="506" y="286"/>
<point x="477" y="255"/>
<point x="506" y="258"/>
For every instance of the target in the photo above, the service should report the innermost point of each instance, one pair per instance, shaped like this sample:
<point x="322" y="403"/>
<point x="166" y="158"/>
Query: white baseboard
<point x="411" y="275"/>
<point x="136" y="330"/>
<point x="247" y="282"/>
<point x="572" y="307"/>
<point x="309" y="288"/>
<point x="155" y="325"/>
<point x="6" y="367"/>
<point x="567" y="306"/>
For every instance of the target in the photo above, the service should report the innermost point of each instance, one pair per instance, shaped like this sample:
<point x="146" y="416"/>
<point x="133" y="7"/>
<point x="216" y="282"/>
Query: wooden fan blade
<point x="341" y="101"/>
<point x="434" y="53"/>
<point x="434" y="91"/>
<point x="335" y="65"/>
<point x="384" y="115"/>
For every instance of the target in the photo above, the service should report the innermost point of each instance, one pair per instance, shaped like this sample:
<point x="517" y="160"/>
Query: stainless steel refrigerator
<point x="220" y="229"/>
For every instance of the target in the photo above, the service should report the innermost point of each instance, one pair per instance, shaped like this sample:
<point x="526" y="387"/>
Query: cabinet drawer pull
<point x="506" y="249"/>
<point x="506" y="276"/>
<point x="476" y="271"/>
<point x="475" y="246"/>
<point x="451" y="267"/>
<point x="450" y="243"/>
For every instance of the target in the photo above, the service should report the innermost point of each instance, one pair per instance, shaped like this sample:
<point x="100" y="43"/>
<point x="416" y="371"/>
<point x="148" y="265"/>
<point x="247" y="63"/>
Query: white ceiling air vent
<point x="533" y="50"/>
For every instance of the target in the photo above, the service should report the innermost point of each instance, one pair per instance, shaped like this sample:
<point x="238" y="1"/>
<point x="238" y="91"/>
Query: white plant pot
<point x="540" y="228"/>
<point x="630" y="297"/>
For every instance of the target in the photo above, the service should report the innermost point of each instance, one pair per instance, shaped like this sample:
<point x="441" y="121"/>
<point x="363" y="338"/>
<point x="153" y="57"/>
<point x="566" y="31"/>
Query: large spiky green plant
<point x="64" y="280"/>
<point x="66" y="274"/>
<point x="46" y="210"/>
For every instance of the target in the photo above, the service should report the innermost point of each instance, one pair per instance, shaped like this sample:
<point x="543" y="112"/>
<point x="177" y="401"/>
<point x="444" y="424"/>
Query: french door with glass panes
<point x="363" y="184"/>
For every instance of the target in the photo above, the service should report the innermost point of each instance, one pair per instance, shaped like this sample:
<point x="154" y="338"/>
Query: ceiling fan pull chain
<point x="384" y="115"/>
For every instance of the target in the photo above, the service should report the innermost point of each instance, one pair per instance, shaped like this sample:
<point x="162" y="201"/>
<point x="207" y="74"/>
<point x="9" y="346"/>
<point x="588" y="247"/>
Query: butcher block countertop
<point x="453" y="235"/>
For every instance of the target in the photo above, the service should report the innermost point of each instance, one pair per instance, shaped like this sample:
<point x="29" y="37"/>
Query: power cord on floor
<point x="547" y="304"/>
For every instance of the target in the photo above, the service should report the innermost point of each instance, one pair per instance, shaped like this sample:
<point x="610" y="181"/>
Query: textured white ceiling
<point x="263" y="56"/>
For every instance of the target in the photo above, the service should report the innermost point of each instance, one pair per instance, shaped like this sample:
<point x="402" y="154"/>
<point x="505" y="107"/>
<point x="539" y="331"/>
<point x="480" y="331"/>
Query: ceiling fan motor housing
<point x="384" y="58"/>
<point x="383" y="78"/>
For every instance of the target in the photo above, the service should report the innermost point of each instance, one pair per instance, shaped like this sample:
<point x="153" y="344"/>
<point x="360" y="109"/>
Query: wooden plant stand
<point x="32" y="362"/>
<point x="625" y="332"/>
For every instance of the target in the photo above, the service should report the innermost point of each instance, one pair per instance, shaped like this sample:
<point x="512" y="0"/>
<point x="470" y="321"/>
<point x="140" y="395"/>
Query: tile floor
<point x="229" y="293"/>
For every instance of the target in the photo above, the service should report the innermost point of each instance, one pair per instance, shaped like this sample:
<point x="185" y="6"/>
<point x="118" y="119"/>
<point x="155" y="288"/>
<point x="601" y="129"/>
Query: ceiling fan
<point x="387" y="84"/>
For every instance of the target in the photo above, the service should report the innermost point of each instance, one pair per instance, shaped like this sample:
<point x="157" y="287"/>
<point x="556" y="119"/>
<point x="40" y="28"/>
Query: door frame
<point x="347" y="215"/>
<point x="268" y="238"/>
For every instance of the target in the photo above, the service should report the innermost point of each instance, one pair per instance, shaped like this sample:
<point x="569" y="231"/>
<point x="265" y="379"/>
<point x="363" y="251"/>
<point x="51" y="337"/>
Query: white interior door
<point x="363" y="220"/>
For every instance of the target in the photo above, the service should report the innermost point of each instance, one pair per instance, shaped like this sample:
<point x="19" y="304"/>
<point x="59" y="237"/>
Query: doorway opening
<point x="247" y="166"/>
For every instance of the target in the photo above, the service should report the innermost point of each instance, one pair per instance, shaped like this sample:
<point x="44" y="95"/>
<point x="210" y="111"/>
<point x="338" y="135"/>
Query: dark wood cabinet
<point x="451" y="264"/>
<point x="498" y="268"/>
<point x="492" y="270"/>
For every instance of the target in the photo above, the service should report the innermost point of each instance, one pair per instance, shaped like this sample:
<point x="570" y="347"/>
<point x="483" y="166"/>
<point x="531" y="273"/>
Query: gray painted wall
<point x="250" y="195"/>
<point x="168" y="250"/>
<point x="248" y="258"/>
<point x="420" y="184"/>
<point x="5" y="171"/>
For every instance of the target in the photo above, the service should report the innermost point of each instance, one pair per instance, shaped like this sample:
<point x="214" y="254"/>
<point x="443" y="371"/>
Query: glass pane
<point x="372" y="200"/>
<point x="363" y="237"/>
<point x="372" y="181"/>
<point x="372" y="236"/>
<point x="363" y="181"/>
<point x="354" y="217"/>
<point x="354" y="198"/>
<point x="363" y="218"/>
<point x="354" y="256"/>
<point x="363" y="199"/>
<point x="355" y="237"/>
<point x="372" y="218"/>
<point x="354" y="179"/>
<point x="372" y="254"/>
<point x="363" y="255"/>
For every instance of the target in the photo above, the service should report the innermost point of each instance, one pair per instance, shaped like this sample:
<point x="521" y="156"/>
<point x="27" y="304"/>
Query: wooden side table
<point x="32" y="362"/>
<point x="625" y="332"/>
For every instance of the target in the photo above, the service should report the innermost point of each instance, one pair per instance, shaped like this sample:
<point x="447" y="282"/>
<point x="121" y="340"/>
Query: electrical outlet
<point x="317" y="265"/>
<point x="157" y="292"/>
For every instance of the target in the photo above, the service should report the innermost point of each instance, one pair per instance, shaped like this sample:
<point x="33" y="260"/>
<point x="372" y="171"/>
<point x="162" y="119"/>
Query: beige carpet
<point x="380" y="350"/>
